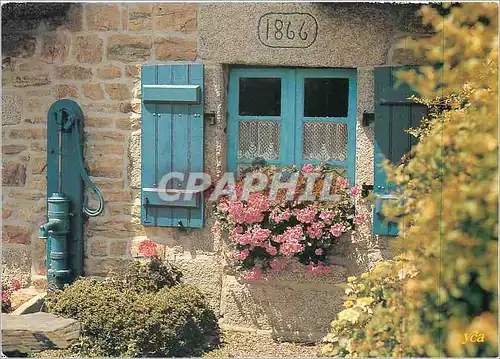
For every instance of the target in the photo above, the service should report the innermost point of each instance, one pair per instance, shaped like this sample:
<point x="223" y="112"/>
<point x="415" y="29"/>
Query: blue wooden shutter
<point x="171" y="141"/>
<point x="394" y="113"/>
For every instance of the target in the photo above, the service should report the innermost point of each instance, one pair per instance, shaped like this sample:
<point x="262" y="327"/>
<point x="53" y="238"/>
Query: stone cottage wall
<point x="92" y="56"/>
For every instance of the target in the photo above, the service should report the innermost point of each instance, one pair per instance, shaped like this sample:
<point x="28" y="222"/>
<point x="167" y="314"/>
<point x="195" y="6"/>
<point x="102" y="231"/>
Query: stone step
<point x="37" y="331"/>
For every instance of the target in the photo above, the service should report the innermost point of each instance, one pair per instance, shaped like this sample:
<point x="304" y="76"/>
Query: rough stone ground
<point x="241" y="345"/>
<point x="251" y="345"/>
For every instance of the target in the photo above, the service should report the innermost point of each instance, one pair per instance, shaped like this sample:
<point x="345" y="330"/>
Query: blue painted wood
<point x="71" y="181"/>
<point x="232" y="121"/>
<point x="351" y="135"/>
<point x="172" y="93"/>
<point x="291" y="119"/>
<point x="164" y="150"/>
<point x="148" y="146"/>
<point x="286" y="119"/>
<point x="196" y="120"/>
<point x="394" y="114"/>
<point x="350" y="119"/>
<point x="180" y="141"/>
<point x="172" y="138"/>
<point x="288" y="130"/>
<point x="326" y="119"/>
<point x="155" y="199"/>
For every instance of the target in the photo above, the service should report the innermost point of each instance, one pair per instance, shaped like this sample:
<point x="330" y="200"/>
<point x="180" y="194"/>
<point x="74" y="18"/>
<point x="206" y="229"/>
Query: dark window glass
<point x="260" y="97"/>
<point x="326" y="97"/>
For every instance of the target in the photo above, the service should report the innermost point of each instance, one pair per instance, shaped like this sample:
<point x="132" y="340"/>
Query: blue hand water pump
<point x="67" y="205"/>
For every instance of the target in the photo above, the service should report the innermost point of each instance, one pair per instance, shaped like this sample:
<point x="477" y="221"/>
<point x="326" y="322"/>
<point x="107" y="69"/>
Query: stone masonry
<point x="94" y="57"/>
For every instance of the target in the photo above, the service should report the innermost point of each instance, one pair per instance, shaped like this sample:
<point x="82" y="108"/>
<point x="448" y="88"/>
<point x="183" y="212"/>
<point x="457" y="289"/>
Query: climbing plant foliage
<point x="448" y="218"/>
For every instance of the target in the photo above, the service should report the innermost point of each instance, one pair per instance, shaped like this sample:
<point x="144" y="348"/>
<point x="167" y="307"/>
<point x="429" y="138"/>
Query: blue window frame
<point x="292" y="116"/>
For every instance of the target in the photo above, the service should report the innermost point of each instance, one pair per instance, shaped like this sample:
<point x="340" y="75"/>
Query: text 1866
<point x="287" y="30"/>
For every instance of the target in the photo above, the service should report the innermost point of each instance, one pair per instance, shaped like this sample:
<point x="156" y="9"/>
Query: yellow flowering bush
<point x="449" y="215"/>
<point x="374" y="316"/>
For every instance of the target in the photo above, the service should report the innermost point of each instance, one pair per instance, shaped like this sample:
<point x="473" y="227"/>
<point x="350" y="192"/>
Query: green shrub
<point x="157" y="317"/>
<point x="150" y="276"/>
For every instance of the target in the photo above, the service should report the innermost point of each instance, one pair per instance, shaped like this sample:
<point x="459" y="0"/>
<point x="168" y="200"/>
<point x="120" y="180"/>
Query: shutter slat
<point x="164" y="147"/>
<point x="399" y="139"/>
<point x="196" y="137"/>
<point x="148" y="145"/>
<point x="180" y="141"/>
<point x="171" y="93"/>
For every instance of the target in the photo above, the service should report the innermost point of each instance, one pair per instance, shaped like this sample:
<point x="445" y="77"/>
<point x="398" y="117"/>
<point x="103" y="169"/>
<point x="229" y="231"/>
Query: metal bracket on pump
<point x="66" y="201"/>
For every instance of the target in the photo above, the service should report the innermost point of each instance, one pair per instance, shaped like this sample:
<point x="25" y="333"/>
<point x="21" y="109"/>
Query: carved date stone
<point x="287" y="30"/>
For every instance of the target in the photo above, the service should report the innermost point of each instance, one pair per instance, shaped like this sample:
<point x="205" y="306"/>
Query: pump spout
<point x="52" y="225"/>
<point x="43" y="232"/>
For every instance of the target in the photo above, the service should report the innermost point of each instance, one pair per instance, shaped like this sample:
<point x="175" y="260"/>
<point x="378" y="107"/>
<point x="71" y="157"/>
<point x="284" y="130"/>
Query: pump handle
<point x="91" y="212"/>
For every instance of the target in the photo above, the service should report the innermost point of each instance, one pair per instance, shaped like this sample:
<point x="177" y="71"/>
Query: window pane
<point x="260" y="96"/>
<point x="259" y="139"/>
<point x="326" y="97"/>
<point x="325" y="141"/>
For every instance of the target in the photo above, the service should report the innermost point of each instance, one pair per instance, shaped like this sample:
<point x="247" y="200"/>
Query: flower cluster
<point x="148" y="248"/>
<point x="7" y="292"/>
<point x="265" y="231"/>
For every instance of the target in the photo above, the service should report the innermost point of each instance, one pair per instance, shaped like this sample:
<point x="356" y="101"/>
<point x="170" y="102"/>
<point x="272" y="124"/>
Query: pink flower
<point x="258" y="201"/>
<point x="236" y="212"/>
<point x="277" y="216"/>
<point x="290" y="240"/>
<point x="278" y="238"/>
<point x="276" y="265"/>
<point x="271" y="250"/>
<point x="254" y="274"/>
<point x="306" y="215"/>
<point x="147" y="248"/>
<point x="307" y="168"/>
<point x="254" y="236"/>
<point x="320" y="268"/>
<point x="318" y="251"/>
<point x="359" y="219"/>
<point x="315" y="230"/>
<point x="16" y="285"/>
<point x="337" y="229"/>
<point x="341" y="182"/>
<point x="5" y="296"/>
<point x="223" y="207"/>
<point x="289" y="248"/>
<point x="236" y="230"/>
<point x="354" y="191"/>
<point x="252" y="215"/>
<point x="242" y="255"/>
<point x="295" y="233"/>
<point x="327" y="215"/>
<point x="251" y="211"/>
